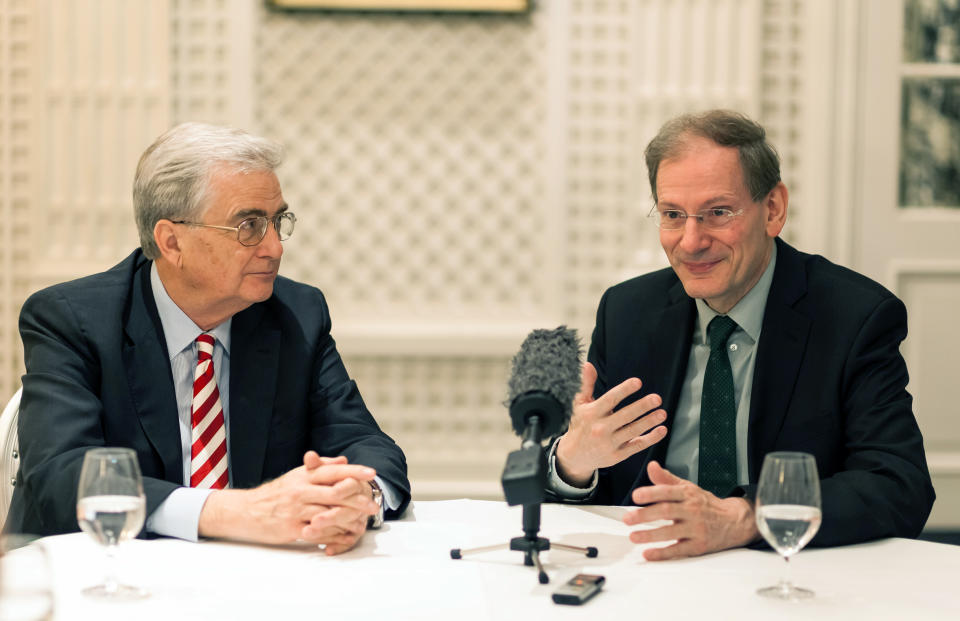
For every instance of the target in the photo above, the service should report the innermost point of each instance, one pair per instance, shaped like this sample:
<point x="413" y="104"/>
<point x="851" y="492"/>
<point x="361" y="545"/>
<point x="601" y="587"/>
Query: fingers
<point x="681" y="549"/>
<point x="346" y="493"/>
<point x="312" y="460"/>
<point x="638" y="410"/>
<point x="618" y="393"/>
<point x="331" y="474"/>
<point x="673" y="532"/>
<point x="639" y="426"/>
<point x="661" y="476"/>
<point x="644" y="441"/>
<point x="588" y="378"/>
<point x="338" y="547"/>
<point x="338" y="520"/>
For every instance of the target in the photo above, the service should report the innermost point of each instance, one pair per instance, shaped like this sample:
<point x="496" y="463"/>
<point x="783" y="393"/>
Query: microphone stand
<point x="531" y="544"/>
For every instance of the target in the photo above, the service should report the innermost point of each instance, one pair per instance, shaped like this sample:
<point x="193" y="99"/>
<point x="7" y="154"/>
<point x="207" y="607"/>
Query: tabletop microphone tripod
<point x="531" y="544"/>
<point x="544" y="381"/>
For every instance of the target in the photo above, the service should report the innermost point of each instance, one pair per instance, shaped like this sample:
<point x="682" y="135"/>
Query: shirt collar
<point x="748" y="312"/>
<point x="178" y="329"/>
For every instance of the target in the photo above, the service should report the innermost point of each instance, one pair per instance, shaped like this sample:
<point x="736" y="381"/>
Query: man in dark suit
<point x="808" y="361"/>
<point x="221" y="375"/>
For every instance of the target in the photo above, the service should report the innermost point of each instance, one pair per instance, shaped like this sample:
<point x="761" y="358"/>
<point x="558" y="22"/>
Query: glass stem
<point x="110" y="584"/>
<point x="784" y="584"/>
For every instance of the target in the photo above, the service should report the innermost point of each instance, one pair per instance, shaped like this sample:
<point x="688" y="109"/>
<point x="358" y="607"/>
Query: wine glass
<point x="26" y="580"/>
<point x="788" y="511"/>
<point x="111" y="508"/>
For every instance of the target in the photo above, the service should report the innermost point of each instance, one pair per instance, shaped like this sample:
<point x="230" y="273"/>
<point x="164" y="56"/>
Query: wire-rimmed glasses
<point x="712" y="219"/>
<point x="251" y="231"/>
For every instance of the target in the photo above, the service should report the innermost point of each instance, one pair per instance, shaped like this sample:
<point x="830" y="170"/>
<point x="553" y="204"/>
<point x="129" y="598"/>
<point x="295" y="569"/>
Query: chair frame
<point x="9" y="453"/>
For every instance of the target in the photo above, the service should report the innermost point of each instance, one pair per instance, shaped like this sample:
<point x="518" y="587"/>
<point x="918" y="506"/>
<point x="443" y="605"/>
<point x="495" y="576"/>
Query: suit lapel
<point x="147" y="364"/>
<point x="671" y="344"/>
<point x="783" y="341"/>
<point x="254" y="363"/>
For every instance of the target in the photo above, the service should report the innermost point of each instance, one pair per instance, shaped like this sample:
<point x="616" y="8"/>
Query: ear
<point x="776" y="209"/>
<point x="165" y="235"/>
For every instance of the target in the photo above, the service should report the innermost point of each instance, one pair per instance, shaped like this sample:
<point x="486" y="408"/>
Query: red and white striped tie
<point x="208" y="454"/>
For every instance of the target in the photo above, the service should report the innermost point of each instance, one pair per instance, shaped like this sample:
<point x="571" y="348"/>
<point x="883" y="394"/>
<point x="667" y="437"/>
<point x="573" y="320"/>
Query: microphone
<point x="544" y="379"/>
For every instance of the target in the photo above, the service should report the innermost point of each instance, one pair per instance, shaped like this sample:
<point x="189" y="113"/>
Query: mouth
<point x="699" y="267"/>
<point x="272" y="273"/>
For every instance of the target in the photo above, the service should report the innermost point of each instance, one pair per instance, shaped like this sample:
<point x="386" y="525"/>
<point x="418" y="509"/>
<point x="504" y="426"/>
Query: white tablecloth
<point x="404" y="571"/>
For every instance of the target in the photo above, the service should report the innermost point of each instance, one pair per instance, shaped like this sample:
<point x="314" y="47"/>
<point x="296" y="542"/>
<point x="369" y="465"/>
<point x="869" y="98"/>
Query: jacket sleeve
<point x="61" y="416"/>
<point x="883" y="488"/>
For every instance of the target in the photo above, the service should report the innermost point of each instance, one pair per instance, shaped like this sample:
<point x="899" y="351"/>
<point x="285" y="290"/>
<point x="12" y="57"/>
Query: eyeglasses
<point x="251" y="231"/>
<point x="712" y="219"/>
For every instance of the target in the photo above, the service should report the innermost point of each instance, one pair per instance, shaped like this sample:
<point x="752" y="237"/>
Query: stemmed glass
<point x="788" y="511"/>
<point x="111" y="508"/>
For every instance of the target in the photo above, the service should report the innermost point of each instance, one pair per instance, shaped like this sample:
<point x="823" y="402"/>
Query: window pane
<point x="930" y="143"/>
<point x="931" y="31"/>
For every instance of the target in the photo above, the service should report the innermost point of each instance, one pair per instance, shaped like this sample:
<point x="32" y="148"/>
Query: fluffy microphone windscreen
<point x="549" y="362"/>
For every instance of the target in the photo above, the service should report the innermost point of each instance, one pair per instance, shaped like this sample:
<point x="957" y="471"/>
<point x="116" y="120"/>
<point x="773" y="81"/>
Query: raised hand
<point x="599" y="437"/>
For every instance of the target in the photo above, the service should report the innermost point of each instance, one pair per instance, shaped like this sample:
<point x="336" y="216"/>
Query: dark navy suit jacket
<point x="98" y="374"/>
<point x="829" y="380"/>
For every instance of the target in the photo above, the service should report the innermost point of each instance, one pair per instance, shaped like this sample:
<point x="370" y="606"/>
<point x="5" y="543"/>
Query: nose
<point x="693" y="238"/>
<point x="270" y="246"/>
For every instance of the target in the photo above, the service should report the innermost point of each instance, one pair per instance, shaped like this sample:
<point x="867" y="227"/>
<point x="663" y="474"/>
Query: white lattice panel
<point x="781" y="94"/>
<point x="601" y="154"/>
<point x="212" y="61"/>
<point x="414" y="162"/>
<point x="15" y="144"/>
<point x="446" y="412"/>
<point x="102" y="87"/>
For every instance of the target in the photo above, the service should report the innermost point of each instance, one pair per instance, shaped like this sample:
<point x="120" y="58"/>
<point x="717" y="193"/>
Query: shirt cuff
<point x="560" y="487"/>
<point x="179" y="514"/>
<point x="391" y="498"/>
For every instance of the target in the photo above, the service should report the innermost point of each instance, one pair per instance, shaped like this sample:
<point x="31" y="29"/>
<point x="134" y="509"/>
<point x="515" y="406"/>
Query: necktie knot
<point x="205" y="347"/>
<point x="719" y="330"/>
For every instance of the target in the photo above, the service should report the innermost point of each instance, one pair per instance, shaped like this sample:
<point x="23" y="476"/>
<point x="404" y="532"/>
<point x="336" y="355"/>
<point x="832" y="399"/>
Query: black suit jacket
<point x="828" y="380"/>
<point x="98" y="374"/>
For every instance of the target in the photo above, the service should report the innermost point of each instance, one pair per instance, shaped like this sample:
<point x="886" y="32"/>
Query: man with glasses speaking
<point x="220" y="374"/>
<point x="742" y="347"/>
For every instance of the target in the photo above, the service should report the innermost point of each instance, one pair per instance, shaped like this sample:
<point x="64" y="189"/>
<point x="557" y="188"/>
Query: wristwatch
<point x="376" y="521"/>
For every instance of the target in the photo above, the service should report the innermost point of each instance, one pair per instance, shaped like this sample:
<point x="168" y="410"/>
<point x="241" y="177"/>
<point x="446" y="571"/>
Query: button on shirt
<point x="683" y="451"/>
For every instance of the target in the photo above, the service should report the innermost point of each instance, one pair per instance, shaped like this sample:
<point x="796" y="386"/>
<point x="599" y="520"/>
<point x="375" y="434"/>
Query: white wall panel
<point x="101" y="94"/>
<point x="16" y="22"/>
<point x="931" y="291"/>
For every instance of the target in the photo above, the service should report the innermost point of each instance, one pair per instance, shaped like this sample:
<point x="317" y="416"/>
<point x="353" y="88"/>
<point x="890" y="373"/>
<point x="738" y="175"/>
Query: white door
<point x="907" y="230"/>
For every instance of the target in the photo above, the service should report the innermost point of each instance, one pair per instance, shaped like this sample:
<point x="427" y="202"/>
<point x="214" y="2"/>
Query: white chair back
<point x="9" y="453"/>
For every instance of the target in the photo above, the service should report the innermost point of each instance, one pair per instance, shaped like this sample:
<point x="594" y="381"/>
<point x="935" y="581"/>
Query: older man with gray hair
<point x="221" y="375"/>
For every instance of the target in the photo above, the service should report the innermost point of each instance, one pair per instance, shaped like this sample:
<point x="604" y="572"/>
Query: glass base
<point x="785" y="591"/>
<point x="116" y="593"/>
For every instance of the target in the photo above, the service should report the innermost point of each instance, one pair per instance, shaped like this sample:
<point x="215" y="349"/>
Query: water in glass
<point x="788" y="511"/>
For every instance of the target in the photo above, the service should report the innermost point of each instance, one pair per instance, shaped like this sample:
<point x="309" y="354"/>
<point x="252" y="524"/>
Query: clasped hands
<point x="600" y="437"/>
<point x="324" y="501"/>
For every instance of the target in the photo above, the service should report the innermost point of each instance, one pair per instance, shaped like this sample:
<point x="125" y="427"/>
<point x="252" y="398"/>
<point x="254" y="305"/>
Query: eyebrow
<point x="243" y="214"/>
<point x="704" y="205"/>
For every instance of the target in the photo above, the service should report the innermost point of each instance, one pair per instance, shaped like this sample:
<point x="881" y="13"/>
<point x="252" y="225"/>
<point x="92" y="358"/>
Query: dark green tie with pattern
<point x="718" y="414"/>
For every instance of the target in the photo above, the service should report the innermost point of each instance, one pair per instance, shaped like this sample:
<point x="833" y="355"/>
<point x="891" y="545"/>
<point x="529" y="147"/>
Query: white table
<point x="404" y="571"/>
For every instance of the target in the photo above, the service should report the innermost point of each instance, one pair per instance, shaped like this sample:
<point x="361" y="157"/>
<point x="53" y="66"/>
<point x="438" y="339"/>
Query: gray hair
<point x="174" y="173"/>
<point x="758" y="158"/>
